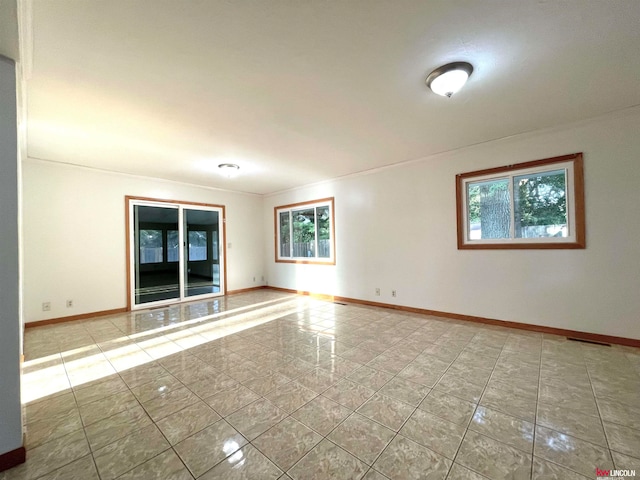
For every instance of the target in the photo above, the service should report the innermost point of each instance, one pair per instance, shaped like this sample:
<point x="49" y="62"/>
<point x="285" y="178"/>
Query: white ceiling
<point x="297" y="92"/>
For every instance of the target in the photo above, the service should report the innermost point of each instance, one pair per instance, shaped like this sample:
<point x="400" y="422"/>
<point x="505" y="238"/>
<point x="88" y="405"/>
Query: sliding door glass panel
<point x="157" y="277"/>
<point x="202" y="252"/>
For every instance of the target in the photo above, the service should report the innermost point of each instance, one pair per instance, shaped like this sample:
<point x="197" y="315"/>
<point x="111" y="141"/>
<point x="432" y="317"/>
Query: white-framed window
<point x="305" y="232"/>
<point x="538" y="204"/>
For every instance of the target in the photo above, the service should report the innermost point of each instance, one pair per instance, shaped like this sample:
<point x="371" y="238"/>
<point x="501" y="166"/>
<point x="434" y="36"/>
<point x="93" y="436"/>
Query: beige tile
<point x="448" y="407"/>
<point x="50" y="456"/>
<point x="389" y="363"/>
<point x="81" y="469"/>
<point x="387" y="411"/>
<point x="523" y="407"/>
<point x="625" y="462"/>
<point x="458" y="472"/>
<point x="472" y="373"/>
<point x="294" y="369"/>
<point x="211" y="384"/>
<point x="433" y="432"/>
<point x="166" y="466"/>
<point x="265" y="384"/>
<point x="291" y="396"/>
<point x="418" y="374"/>
<point x="87" y="370"/>
<point x="327" y="460"/>
<point x="104" y="388"/>
<point x="362" y="437"/>
<point x="405" y="391"/>
<point x="349" y="394"/>
<point x="515" y="386"/>
<point x="359" y="355"/>
<point x="142" y="374"/>
<point x="244" y="371"/>
<point x="318" y="379"/>
<point x="322" y="414"/>
<point x="117" y="426"/>
<point x="205" y="449"/>
<point x="156" y="387"/>
<point x="460" y="387"/>
<point x="373" y="475"/>
<point x="256" y="418"/>
<point x="614" y="411"/>
<point x="405" y="459"/>
<point x="50" y="407"/>
<point x="228" y="401"/>
<point x="47" y="429"/>
<point x="127" y="453"/>
<point x="504" y="428"/>
<point x="493" y="459"/>
<point x="245" y="464"/>
<point x="623" y="439"/>
<point x="575" y="399"/>
<point x="107" y="406"/>
<point x="287" y="442"/>
<point x="570" y="452"/>
<point x="572" y="423"/>
<point x="186" y="422"/>
<point x="124" y="356"/>
<point x="168" y="403"/>
<point x="545" y="470"/>
<point x="340" y="366"/>
<point x="370" y="377"/>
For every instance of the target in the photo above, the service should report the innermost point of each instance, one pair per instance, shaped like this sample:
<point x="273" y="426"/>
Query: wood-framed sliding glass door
<point x="175" y="251"/>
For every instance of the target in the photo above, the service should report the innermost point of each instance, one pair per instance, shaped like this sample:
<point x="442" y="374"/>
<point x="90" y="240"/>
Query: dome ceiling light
<point x="229" y="169"/>
<point x="448" y="79"/>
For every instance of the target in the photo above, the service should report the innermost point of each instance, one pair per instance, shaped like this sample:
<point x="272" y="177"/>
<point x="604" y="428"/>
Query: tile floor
<point x="267" y="385"/>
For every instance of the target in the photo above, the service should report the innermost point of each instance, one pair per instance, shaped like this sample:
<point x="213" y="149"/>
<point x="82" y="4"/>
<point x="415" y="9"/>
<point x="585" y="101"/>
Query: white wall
<point x="10" y="416"/>
<point x="396" y="229"/>
<point x="74" y="236"/>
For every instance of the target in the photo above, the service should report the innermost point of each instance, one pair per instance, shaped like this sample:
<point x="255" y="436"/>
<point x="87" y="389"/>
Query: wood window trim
<point x="276" y="239"/>
<point x="578" y="199"/>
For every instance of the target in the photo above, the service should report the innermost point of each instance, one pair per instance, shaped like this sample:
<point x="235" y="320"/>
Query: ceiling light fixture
<point x="448" y="79"/>
<point x="228" y="169"/>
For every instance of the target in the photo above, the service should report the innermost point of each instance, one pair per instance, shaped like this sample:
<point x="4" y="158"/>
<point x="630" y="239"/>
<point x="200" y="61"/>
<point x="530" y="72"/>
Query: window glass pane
<point x="285" y="235"/>
<point x="304" y="233"/>
<point x="324" y="232"/>
<point x="150" y="246"/>
<point x="172" y="246"/>
<point x="489" y="209"/>
<point x="197" y="245"/>
<point x="540" y="205"/>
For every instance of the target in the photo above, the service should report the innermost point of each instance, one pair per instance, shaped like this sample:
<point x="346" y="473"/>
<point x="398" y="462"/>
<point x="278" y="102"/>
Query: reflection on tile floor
<point x="270" y="385"/>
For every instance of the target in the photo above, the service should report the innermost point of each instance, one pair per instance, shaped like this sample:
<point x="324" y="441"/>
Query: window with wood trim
<point x="304" y="232"/>
<point x="538" y="204"/>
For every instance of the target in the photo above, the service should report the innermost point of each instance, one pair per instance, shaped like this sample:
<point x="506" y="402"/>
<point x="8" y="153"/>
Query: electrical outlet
<point x="377" y="292"/>
<point x="46" y="306"/>
<point x="69" y="303"/>
<point x="262" y="278"/>
<point x="254" y="279"/>
<point x="393" y="293"/>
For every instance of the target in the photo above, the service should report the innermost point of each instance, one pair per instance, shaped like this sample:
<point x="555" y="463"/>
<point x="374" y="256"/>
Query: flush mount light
<point x="228" y="169"/>
<point x="448" y="79"/>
